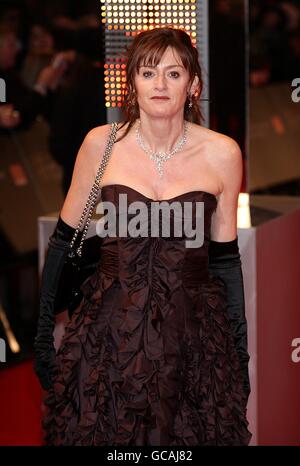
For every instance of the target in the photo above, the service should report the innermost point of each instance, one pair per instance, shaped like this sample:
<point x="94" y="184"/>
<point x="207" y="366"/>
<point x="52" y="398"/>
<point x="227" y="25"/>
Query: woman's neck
<point x="161" y="134"/>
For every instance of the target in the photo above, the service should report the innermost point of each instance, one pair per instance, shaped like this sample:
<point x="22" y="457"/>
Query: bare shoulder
<point x="221" y="152"/>
<point x="216" y="143"/>
<point x="85" y="169"/>
<point x="96" y="138"/>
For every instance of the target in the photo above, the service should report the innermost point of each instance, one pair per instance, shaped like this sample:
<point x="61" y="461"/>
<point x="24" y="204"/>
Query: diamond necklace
<point x="160" y="157"/>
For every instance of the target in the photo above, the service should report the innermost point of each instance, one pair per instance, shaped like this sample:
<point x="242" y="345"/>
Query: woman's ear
<point x="195" y="85"/>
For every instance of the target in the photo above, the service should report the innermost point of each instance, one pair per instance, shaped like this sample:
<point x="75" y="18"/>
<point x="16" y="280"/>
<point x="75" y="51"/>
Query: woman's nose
<point x="160" y="82"/>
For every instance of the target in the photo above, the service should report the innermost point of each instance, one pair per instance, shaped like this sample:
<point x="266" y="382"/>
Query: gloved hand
<point x="59" y="245"/>
<point x="225" y="263"/>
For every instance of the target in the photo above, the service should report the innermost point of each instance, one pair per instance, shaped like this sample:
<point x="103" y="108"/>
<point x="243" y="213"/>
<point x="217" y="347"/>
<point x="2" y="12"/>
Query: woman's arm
<point x="230" y="171"/>
<point x="88" y="160"/>
<point x="224" y="256"/>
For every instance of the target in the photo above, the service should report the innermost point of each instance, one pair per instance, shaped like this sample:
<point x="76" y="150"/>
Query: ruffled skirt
<point x="167" y="374"/>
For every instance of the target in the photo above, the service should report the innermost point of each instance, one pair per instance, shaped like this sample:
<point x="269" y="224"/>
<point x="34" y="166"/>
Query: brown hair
<point x="147" y="48"/>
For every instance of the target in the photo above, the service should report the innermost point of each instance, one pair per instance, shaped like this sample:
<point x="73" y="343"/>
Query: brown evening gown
<point x="148" y="356"/>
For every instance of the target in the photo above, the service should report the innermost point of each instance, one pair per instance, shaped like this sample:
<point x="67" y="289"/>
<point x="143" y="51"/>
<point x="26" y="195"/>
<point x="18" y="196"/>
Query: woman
<point x="152" y="355"/>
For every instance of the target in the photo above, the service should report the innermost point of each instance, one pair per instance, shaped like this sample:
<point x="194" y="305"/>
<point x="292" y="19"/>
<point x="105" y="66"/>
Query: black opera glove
<point x="225" y="263"/>
<point x="44" y="348"/>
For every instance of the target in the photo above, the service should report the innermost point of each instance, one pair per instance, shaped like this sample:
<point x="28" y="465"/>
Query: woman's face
<point x="162" y="90"/>
<point x="41" y="41"/>
<point x="9" y="48"/>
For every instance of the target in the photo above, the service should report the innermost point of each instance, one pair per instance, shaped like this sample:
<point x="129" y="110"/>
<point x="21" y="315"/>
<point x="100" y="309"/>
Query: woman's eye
<point x="174" y="74"/>
<point x="146" y="74"/>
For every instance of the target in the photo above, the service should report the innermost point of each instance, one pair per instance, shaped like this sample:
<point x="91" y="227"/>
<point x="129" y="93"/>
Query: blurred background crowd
<point x="52" y="64"/>
<point x="274" y="40"/>
<point x="51" y="59"/>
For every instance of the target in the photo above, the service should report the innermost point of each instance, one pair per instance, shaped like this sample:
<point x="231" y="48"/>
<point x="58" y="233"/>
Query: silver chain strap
<point x="92" y="199"/>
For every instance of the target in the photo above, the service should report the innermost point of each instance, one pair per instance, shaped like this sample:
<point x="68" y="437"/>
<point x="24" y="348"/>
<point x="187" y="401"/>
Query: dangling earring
<point x="190" y="102"/>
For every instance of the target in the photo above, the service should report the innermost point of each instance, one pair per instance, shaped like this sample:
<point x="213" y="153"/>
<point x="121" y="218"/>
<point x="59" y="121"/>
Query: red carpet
<point x="20" y="406"/>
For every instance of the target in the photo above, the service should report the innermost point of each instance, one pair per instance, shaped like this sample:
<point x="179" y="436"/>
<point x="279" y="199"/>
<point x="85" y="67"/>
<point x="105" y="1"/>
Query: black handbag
<point x="84" y="256"/>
